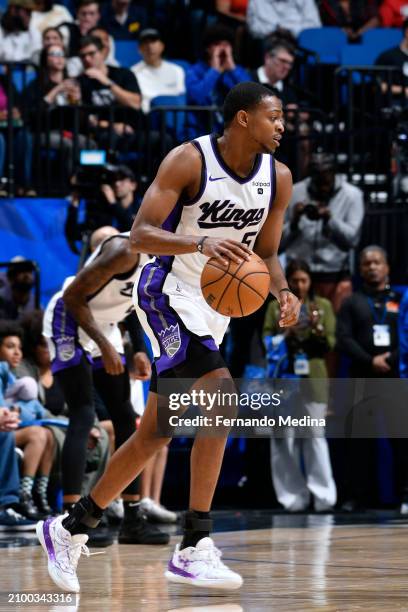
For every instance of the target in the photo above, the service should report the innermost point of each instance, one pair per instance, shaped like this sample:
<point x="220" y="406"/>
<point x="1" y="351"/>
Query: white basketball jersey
<point x="227" y="206"/>
<point x="111" y="304"/>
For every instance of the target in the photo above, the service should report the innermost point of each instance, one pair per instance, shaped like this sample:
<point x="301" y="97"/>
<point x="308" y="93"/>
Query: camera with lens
<point x="311" y="212"/>
<point x="92" y="172"/>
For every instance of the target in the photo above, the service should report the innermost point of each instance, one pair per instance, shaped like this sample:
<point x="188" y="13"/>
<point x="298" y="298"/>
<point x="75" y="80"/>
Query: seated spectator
<point x="278" y="62"/>
<point x="209" y="80"/>
<point x="393" y="13"/>
<point x="322" y="226"/>
<point x="49" y="15"/>
<point x="396" y="57"/>
<point x="50" y="97"/>
<point x="123" y="19"/>
<point x="88" y="16"/>
<point x="21" y="138"/>
<point x="19" y="40"/>
<point x="10" y="518"/>
<point x="156" y="76"/>
<point x="37" y="364"/>
<point x="264" y="16"/>
<point x="16" y="295"/>
<point x="36" y="441"/>
<point x="353" y="16"/>
<point x="108" y="43"/>
<point x="307" y="343"/>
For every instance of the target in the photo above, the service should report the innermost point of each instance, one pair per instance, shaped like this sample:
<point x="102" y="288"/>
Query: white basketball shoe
<point x="201" y="566"/>
<point x="63" y="551"/>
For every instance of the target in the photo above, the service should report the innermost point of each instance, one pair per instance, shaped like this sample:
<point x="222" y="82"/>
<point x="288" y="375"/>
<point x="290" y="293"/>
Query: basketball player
<point x="213" y="197"/>
<point x="80" y="324"/>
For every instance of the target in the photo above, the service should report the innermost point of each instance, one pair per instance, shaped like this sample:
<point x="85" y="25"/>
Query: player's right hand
<point x="112" y="361"/>
<point x="223" y="250"/>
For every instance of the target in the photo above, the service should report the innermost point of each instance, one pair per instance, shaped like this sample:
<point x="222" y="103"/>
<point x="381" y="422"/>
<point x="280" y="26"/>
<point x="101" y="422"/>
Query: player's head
<point x="299" y="277"/>
<point x="101" y="234"/>
<point x="254" y="108"/>
<point x="374" y="268"/>
<point x="11" y="340"/>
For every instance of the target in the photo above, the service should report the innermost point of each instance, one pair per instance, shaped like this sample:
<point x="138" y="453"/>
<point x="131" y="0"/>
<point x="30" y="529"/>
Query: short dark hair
<point x="10" y="328"/>
<point x="86" y="3"/>
<point x="280" y="44"/>
<point x="90" y="40"/>
<point x="374" y="247"/>
<point x="244" y="96"/>
<point x="216" y="33"/>
<point x="52" y="29"/>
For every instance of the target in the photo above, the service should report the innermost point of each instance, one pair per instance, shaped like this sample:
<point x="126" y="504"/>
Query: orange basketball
<point x="235" y="290"/>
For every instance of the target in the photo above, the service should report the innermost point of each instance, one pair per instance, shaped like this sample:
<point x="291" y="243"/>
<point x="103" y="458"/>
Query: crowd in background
<point x="350" y="322"/>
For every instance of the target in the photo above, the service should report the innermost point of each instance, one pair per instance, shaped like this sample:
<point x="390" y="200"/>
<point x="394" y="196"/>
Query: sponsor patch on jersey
<point x="170" y="339"/>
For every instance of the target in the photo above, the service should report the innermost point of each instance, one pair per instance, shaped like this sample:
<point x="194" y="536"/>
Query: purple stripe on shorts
<point x="177" y="570"/>
<point x="48" y="540"/>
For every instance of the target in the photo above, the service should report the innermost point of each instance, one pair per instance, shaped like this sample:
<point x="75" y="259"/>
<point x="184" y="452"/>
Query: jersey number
<point x="247" y="239"/>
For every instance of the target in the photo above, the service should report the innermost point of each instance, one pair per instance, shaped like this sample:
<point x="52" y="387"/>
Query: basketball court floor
<point x="331" y="563"/>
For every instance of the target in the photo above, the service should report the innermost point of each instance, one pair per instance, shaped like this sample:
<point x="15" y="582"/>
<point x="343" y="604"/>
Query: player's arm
<point x="116" y="257"/>
<point x="178" y="177"/>
<point x="267" y="246"/>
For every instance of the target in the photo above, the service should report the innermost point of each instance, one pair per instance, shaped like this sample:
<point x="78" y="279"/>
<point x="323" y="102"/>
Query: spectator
<point x="19" y="40"/>
<point x="393" y="13"/>
<point x="367" y="333"/>
<point x="123" y="19"/>
<point x="307" y="342"/>
<point x="156" y="76"/>
<point x="279" y="60"/>
<point x="353" y="16"/>
<point x="106" y="86"/>
<point x="264" y="16"/>
<point x="118" y="204"/>
<point x="10" y="519"/>
<point x="209" y="80"/>
<point x="16" y="295"/>
<point x="397" y="57"/>
<point x="49" y="96"/>
<point x="108" y="43"/>
<point x="37" y="441"/>
<point x="48" y="15"/>
<point x="88" y="16"/>
<point x="232" y="10"/>
<point x="323" y="225"/>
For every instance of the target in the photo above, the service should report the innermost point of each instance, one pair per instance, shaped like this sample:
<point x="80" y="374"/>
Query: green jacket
<point x="314" y="343"/>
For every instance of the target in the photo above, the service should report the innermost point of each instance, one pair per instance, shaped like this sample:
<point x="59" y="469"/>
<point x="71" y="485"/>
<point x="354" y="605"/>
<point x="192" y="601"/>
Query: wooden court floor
<point x="324" y="567"/>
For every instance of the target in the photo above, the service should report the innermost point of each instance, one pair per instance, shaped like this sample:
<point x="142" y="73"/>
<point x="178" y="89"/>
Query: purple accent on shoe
<point x="48" y="540"/>
<point x="177" y="570"/>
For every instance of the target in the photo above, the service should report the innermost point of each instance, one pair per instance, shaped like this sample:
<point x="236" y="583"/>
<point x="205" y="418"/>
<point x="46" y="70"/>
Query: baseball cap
<point x="149" y="34"/>
<point x="20" y="264"/>
<point x="124" y="172"/>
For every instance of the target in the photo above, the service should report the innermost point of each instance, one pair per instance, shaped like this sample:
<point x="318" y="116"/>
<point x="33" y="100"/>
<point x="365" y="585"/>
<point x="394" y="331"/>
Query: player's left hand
<point x="289" y="308"/>
<point x="142" y="366"/>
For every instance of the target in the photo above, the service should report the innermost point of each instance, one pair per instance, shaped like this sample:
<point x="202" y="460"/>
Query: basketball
<point x="235" y="290"/>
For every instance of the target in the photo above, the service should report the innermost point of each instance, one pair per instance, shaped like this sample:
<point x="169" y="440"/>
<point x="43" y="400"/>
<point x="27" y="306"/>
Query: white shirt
<point x="19" y="46"/>
<point x="265" y="81"/>
<point x="264" y="16"/>
<point x="165" y="80"/>
<point x="50" y="19"/>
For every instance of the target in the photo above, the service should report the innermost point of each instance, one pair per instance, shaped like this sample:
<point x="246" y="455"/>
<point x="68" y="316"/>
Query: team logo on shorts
<point x="65" y="348"/>
<point x="170" y="339"/>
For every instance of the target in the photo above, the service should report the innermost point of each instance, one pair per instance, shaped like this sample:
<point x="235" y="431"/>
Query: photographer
<point x="323" y="225"/>
<point x="115" y="205"/>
